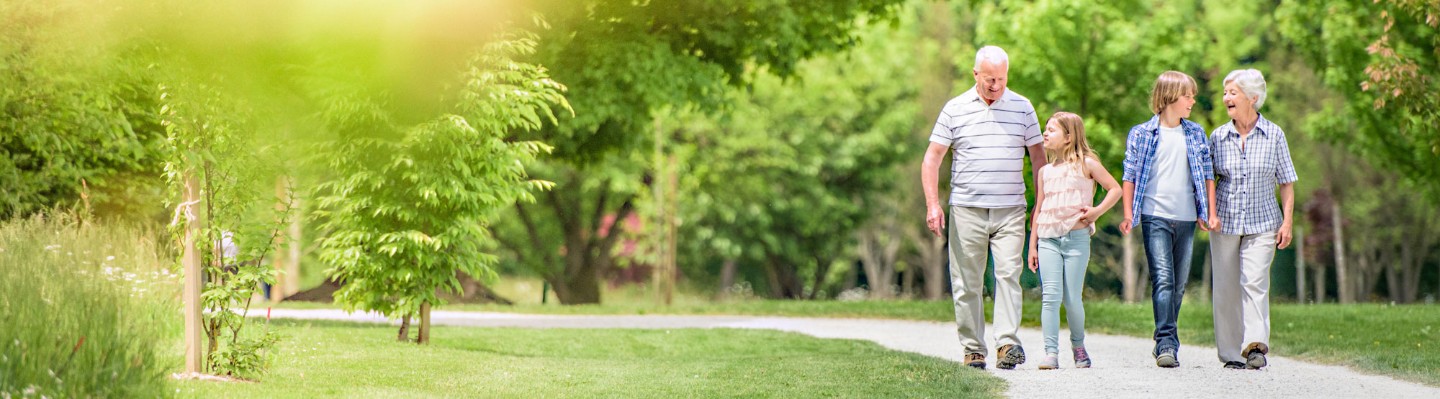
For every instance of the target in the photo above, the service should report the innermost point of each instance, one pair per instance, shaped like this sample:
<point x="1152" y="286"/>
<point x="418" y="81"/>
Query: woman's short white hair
<point x="1251" y="82"/>
<point x="993" y="55"/>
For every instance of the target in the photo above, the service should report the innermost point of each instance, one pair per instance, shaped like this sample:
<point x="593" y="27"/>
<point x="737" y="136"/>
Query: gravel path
<point x="1123" y="366"/>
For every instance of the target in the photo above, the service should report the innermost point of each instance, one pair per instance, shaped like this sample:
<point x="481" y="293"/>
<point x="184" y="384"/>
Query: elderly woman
<point x="1251" y="159"/>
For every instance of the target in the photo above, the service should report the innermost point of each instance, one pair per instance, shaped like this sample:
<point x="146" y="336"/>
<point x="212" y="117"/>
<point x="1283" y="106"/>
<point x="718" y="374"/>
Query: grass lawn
<point x="331" y="359"/>
<point x="1399" y="341"/>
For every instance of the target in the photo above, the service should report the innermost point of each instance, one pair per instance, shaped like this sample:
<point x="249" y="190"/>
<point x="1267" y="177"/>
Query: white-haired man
<point x="991" y="130"/>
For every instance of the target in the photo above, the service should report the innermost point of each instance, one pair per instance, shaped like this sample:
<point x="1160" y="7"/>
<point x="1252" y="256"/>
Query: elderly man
<point x="990" y="129"/>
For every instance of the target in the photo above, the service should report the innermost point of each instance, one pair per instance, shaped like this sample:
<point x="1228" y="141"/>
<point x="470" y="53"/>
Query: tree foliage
<point x="410" y="206"/>
<point x="624" y="60"/>
<point x="1383" y="59"/>
<point x="75" y="119"/>
<point x="783" y="178"/>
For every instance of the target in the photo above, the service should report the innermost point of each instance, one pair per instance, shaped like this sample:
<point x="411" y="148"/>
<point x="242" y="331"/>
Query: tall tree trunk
<point x="784" y="280"/>
<point x="424" y="336"/>
<point x="404" y="335"/>
<point x="878" y="272"/>
<point x="1362" y="278"/>
<point x="1342" y="274"/>
<point x="727" y="277"/>
<point x="822" y="269"/>
<point x="907" y="282"/>
<point x="1319" y="278"/>
<point x="1299" y="240"/>
<point x="586" y="252"/>
<point x="1129" y="284"/>
<point x="1392" y="281"/>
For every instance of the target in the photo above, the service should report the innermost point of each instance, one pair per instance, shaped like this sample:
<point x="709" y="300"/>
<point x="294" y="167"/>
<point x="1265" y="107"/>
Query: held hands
<point x="1214" y="223"/>
<point x="1283" y="236"/>
<point x="935" y="220"/>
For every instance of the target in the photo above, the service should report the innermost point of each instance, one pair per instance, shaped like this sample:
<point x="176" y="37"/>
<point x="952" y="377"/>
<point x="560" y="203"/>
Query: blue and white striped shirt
<point x="1245" y="179"/>
<point x="1140" y="163"/>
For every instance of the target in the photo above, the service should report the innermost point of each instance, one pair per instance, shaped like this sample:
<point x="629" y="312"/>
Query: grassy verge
<point x="1392" y="340"/>
<point x="328" y="359"/>
<point x="84" y="310"/>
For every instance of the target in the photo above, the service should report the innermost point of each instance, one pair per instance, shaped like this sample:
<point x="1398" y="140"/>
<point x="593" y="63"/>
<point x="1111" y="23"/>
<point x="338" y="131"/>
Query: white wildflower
<point x="110" y="258"/>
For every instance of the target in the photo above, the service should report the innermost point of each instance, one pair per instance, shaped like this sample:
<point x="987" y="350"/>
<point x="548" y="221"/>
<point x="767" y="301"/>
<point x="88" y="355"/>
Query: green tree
<point x="205" y="129"/>
<point x="623" y="60"/>
<point x="410" y="206"/>
<point x="1383" y="59"/>
<point x="785" y="177"/>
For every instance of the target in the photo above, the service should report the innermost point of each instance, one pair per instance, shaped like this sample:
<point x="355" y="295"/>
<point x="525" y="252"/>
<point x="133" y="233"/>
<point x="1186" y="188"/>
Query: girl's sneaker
<point x="1051" y="362"/>
<point x="1082" y="359"/>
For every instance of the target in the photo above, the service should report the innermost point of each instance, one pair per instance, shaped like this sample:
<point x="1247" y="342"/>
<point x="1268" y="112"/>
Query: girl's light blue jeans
<point x="1063" y="261"/>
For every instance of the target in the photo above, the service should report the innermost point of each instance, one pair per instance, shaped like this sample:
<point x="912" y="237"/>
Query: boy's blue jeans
<point x="1168" y="245"/>
<point x="1063" y="261"/>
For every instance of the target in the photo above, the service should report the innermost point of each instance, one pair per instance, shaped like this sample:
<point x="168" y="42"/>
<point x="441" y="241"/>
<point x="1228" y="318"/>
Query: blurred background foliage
<point x="791" y="130"/>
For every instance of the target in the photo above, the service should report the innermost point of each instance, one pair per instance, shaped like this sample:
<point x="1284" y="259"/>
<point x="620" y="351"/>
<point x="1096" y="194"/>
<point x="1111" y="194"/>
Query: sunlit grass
<point x="1383" y="339"/>
<point x="329" y="359"/>
<point x="85" y="310"/>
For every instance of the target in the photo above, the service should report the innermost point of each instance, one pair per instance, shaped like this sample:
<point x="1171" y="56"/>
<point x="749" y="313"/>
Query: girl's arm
<point x="1034" y="258"/>
<point x="1100" y="175"/>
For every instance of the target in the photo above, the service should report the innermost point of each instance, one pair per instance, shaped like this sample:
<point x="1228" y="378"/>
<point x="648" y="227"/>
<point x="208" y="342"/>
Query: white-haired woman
<point x="1252" y="158"/>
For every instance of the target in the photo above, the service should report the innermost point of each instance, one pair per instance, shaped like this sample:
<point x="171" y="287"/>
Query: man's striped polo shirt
<point x="989" y="144"/>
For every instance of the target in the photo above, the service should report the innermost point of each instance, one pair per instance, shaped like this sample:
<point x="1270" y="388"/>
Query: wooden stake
<point x="191" y="262"/>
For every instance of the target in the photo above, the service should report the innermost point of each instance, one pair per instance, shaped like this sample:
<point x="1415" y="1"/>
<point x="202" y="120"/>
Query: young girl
<point x="1060" y="234"/>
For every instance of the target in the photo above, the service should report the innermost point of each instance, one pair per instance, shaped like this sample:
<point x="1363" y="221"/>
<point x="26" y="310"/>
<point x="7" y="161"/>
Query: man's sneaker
<point x="1009" y="356"/>
<point x="1235" y="365"/>
<point x="1167" y="359"/>
<point x="1051" y="362"/>
<point x="1082" y="359"/>
<point x="1255" y="355"/>
<point x="976" y="360"/>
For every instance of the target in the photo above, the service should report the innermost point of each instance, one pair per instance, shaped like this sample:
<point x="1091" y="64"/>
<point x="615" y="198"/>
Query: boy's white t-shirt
<point x="1169" y="193"/>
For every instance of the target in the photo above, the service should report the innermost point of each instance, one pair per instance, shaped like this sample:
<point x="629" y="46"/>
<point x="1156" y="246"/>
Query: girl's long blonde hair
<point x="1079" y="149"/>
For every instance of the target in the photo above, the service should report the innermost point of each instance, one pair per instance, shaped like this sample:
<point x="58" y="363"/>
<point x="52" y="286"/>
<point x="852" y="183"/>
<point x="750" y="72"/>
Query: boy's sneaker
<point x="1082" y="359"/>
<point x="1167" y="359"/>
<point x="1009" y="356"/>
<point x="1051" y="362"/>
<point x="1255" y="355"/>
<point x="976" y="360"/>
<point x="1235" y="365"/>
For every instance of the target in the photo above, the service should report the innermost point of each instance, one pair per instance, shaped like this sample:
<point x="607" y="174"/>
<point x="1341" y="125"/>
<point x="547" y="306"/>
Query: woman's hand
<point x="1284" y="235"/>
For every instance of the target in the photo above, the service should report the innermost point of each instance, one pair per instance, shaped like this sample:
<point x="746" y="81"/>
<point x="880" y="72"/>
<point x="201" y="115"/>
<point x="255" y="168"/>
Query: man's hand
<point x="935" y="220"/>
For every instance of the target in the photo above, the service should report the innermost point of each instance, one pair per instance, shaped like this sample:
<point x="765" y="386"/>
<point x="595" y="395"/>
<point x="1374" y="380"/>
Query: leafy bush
<point x="87" y="309"/>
